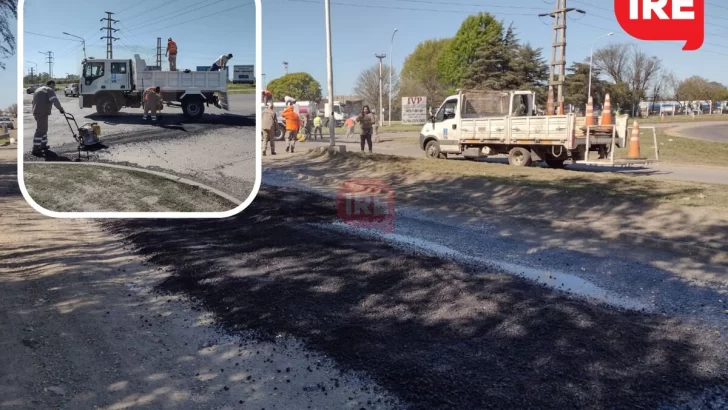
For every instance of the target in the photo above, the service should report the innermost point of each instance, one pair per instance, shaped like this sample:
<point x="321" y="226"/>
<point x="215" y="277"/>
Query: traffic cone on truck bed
<point x="607" y="120"/>
<point x="589" y="121"/>
<point x="633" y="152"/>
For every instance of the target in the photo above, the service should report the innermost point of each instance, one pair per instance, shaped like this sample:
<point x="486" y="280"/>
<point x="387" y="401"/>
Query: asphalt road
<point x="392" y="144"/>
<point x="707" y="131"/>
<point x="218" y="150"/>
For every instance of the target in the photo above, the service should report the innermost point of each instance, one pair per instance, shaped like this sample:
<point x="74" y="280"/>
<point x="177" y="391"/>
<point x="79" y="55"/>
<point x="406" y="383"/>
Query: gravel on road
<point x="436" y="333"/>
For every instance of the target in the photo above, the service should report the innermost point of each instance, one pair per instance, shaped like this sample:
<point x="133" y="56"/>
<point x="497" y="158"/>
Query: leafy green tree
<point x="576" y="89"/>
<point x="8" y="15"/>
<point x="300" y="86"/>
<point x="419" y="75"/>
<point x="460" y="53"/>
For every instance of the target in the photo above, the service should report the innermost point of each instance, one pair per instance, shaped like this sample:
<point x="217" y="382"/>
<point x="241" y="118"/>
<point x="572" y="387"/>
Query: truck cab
<point x="104" y="83"/>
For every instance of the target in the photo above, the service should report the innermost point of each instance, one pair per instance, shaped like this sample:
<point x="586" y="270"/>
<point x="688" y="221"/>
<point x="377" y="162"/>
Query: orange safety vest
<point x="172" y="47"/>
<point x="146" y="94"/>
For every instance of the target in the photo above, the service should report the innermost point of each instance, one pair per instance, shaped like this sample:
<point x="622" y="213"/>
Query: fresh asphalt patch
<point x="437" y="334"/>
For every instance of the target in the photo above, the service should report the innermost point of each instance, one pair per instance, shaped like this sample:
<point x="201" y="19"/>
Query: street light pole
<point x="330" y="75"/>
<point x="391" y="47"/>
<point x="83" y="42"/>
<point x="591" y="60"/>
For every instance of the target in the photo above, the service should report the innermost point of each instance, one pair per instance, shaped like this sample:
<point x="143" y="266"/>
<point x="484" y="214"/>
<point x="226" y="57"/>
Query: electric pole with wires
<point x="159" y="51"/>
<point x="109" y="34"/>
<point x="558" y="57"/>
<point x="49" y="60"/>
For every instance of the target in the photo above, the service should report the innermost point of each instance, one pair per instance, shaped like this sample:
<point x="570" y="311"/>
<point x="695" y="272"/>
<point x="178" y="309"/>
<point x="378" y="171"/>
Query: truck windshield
<point x="337" y="109"/>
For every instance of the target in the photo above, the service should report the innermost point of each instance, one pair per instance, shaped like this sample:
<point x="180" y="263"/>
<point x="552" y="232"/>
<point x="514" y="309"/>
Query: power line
<point x="196" y="8"/>
<point x="497" y="6"/>
<point x="407" y="8"/>
<point x="43" y="35"/>
<point x="198" y="18"/>
<point x="146" y="10"/>
<point x="131" y="7"/>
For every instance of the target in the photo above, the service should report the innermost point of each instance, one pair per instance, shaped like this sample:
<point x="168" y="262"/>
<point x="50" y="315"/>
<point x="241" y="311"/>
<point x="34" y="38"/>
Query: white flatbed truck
<point x="109" y="85"/>
<point x="477" y="124"/>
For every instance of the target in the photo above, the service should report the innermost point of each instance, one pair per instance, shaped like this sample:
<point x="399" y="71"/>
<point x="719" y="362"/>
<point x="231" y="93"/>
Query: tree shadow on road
<point x="437" y="334"/>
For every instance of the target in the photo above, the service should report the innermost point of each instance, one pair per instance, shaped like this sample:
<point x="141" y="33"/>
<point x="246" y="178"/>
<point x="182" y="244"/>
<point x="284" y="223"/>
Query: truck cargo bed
<point x="215" y="81"/>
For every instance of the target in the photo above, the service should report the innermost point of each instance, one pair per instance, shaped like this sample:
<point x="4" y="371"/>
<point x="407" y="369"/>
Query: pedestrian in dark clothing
<point x="366" y="120"/>
<point x="44" y="99"/>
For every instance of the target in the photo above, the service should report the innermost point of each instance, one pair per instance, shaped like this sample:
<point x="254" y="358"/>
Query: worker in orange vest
<point x="267" y="96"/>
<point x="172" y="52"/>
<point x="293" y="124"/>
<point x="350" y="123"/>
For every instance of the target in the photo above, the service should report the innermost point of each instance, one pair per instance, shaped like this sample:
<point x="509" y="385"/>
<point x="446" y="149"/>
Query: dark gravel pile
<point x="428" y="330"/>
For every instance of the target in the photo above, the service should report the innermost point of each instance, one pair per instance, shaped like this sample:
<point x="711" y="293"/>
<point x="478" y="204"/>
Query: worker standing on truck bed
<point x="270" y="128"/>
<point x="221" y="62"/>
<point x="152" y="102"/>
<point x="172" y="52"/>
<point x="367" y="121"/>
<point x="293" y="124"/>
<point x="44" y="99"/>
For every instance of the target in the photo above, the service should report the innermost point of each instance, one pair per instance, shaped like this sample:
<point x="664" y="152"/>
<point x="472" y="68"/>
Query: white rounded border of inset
<point x="148" y="215"/>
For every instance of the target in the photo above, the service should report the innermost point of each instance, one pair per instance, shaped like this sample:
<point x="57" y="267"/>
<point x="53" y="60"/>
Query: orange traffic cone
<point x="550" y="103"/>
<point x="607" y="120"/>
<point x="589" y="121"/>
<point x="633" y="152"/>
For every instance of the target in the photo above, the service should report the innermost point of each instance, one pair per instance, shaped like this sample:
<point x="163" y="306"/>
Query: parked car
<point x="71" y="89"/>
<point x="32" y="88"/>
<point x="7" y="121"/>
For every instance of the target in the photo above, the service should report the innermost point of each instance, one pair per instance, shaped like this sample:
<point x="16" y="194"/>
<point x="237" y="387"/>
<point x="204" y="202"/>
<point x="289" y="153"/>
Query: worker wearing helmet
<point x="172" y="52"/>
<point x="293" y="124"/>
<point x="152" y="102"/>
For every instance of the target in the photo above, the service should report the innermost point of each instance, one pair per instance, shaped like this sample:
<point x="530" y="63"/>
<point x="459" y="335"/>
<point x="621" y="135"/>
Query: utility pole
<point x="109" y="34"/>
<point x="49" y="60"/>
<point x="329" y="75"/>
<point x="391" y="69"/>
<point x="380" y="114"/>
<point x="558" y="56"/>
<point x="31" y="75"/>
<point x="263" y="75"/>
<point x="285" y="67"/>
<point x="159" y="52"/>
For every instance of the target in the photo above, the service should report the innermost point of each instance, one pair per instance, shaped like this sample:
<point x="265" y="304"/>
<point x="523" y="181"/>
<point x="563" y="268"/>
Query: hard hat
<point x="169" y="39"/>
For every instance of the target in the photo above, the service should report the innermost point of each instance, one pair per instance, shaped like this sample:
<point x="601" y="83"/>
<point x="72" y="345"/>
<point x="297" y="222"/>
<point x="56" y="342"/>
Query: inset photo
<point x="143" y="108"/>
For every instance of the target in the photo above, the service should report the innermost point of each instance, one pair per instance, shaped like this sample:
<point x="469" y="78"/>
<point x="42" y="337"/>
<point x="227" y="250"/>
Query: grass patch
<point x="680" y="150"/>
<point x="241" y="88"/>
<point x="683" y="118"/>
<point x="587" y="189"/>
<point x="81" y="188"/>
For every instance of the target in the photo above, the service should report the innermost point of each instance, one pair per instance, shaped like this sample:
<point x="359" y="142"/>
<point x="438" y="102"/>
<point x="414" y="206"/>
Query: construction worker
<point x="308" y="127"/>
<point x="221" y="62"/>
<point x="317" y="127"/>
<point x="367" y="121"/>
<point x="152" y="102"/>
<point x="267" y="96"/>
<point x="293" y="124"/>
<point x="302" y="131"/>
<point x="269" y="121"/>
<point x="172" y="52"/>
<point x="44" y="99"/>
<point x="350" y="123"/>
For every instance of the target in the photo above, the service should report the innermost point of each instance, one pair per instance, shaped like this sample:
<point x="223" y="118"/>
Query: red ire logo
<point x="366" y="203"/>
<point x="663" y="20"/>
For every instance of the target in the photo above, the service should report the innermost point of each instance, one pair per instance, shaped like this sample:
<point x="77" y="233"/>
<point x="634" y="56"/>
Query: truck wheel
<point x="432" y="150"/>
<point x="106" y="106"/>
<point x="555" y="163"/>
<point x="520" y="157"/>
<point x="193" y="108"/>
<point x="281" y="132"/>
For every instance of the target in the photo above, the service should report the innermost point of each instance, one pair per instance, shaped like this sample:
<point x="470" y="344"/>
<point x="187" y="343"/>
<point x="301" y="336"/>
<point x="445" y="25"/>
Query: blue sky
<point x="294" y="31"/>
<point x="9" y="78"/>
<point x="202" y="29"/>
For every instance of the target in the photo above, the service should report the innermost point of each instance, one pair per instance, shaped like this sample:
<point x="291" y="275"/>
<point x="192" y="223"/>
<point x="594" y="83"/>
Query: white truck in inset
<point x="338" y="114"/>
<point x="110" y="85"/>
<point x="477" y="124"/>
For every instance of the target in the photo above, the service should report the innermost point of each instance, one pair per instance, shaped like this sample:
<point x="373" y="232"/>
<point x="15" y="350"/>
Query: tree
<point x="576" y="89"/>
<point x="13" y="109"/>
<point x="461" y="51"/>
<point x="628" y="65"/>
<point x="697" y="88"/>
<point x="367" y="86"/>
<point x="8" y="13"/>
<point x="300" y="86"/>
<point x="419" y="76"/>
